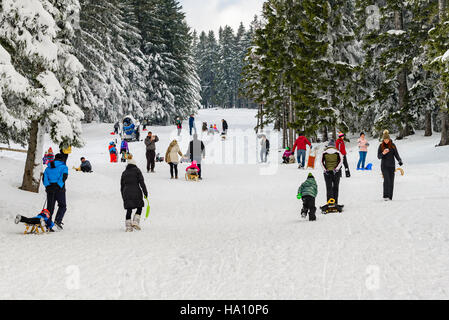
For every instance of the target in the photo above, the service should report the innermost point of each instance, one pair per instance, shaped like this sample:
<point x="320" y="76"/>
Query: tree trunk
<point x="290" y="120"/>
<point x="33" y="165"/>
<point x="334" y="133"/>
<point x="325" y="134"/>
<point x="428" y="131"/>
<point x="444" y="108"/>
<point x="284" y="126"/>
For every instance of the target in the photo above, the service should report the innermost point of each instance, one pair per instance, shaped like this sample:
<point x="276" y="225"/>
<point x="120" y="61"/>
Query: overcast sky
<point x="205" y="15"/>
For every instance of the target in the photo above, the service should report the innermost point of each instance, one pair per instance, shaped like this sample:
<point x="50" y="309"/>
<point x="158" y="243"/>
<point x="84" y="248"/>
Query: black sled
<point x="331" y="207"/>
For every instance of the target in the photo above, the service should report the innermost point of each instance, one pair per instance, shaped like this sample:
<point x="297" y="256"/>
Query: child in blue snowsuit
<point x="42" y="219"/>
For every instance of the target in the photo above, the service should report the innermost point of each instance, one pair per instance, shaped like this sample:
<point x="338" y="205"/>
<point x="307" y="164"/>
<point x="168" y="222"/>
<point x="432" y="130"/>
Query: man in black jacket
<point x="225" y="126"/>
<point x="387" y="152"/>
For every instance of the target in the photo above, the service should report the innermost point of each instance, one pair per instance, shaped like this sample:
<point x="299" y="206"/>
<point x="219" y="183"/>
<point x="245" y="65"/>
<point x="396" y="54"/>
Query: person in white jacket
<point x="171" y="157"/>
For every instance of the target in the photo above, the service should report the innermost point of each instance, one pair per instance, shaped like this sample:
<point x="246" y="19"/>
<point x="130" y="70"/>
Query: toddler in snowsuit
<point x="124" y="150"/>
<point x="193" y="169"/>
<point x="308" y="192"/>
<point x="42" y="219"/>
<point x="113" y="151"/>
<point x="48" y="157"/>
<point x="286" y="157"/>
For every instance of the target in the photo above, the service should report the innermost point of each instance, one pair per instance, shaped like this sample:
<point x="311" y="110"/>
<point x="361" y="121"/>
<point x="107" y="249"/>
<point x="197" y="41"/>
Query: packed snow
<point x="235" y="235"/>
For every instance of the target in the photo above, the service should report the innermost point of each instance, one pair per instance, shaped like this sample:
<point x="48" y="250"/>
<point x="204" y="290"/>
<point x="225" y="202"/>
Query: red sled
<point x="112" y="133"/>
<point x="311" y="160"/>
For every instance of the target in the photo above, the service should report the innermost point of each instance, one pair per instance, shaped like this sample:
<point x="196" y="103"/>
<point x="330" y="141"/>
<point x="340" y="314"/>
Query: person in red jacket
<point x="340" y="145"/>
<point x="301" y="144"/>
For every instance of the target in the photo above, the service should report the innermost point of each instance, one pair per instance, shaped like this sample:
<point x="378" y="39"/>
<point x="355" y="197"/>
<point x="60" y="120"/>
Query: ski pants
<point x="345" y="163"/>
<point x="173" y="167"/>
<point x="308" y="206"/>
<point x="151" y="154"/>
<point x="388" y="173"/>
<point x="30" y="220"/>
<point x="332" y="183"/>
<point x="263" y="155"/>
<point x="129" y="212"/>
<point x="361" y="163"/>
<point x="59" y="197"/>
<point x="301" y="157"/>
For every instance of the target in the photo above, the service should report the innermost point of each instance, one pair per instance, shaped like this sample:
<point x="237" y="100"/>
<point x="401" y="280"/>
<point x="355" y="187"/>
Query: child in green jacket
<point x="308" y="192"/>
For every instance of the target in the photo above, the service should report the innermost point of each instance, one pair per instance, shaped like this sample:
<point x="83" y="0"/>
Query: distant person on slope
<point x="225" y="126"/>
<point x="85" y="165"/>
<point x="332" y="161"/>
<point x="178" y="123"/>
<point x="192" y="124"/>
<point x="132" y="185"/>
<point x="363" y="150"/>
<point x="301" y="144"/>
<point x="171" y="157"/>
<point x="387" y="152"/>
<point x="196" y="152"/>
<point x="112" y="151"/>
<point x="340" y="145"/>
<point x="150" y="143"/>
<point x="308" y="192"/>
<point x="116" y="127"/>
<point x="124" y="150"/>
<point x="55" y="176"/>
<point x="264" y="148"/>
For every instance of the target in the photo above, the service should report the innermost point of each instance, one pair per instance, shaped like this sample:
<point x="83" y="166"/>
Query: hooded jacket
<point x="132" y="185"/>
<point x="332" y="159"/>
<point x="196" y="149"/>
<point x="56" y="174"/>
<point x="309" y="187"/>
<point x="172" y="153"/>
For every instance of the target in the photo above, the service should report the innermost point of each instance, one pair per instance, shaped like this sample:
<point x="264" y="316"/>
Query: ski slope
<point x="235" y="235"/>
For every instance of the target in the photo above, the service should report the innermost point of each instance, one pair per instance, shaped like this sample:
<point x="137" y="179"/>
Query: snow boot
<point x="303" y="213"/>
<point x="312" y="216"/>
<point x="348" y="174"/>
<point x="129" y="227"/>
<point x="136" y="222"/>
<point x="17" y="219"/>
<point x="59" y="225"/>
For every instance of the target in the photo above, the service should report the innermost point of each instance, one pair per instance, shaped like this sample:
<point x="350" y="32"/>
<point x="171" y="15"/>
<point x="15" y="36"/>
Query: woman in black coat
<point x="132" y="185"/>
<point x="387" y="152"/>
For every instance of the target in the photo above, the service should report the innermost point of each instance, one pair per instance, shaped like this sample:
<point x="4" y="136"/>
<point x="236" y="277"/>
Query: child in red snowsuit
<point x="113" y="152"/>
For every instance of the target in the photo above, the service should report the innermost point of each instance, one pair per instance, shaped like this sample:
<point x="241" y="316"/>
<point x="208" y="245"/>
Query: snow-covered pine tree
<point x="36" y="91"/>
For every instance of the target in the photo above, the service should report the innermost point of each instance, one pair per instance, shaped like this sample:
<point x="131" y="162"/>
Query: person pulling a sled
<point x="301" y="144"/>
<point x="196" y="152"/>
<point x="387" y="152"/>
<point x="332" y="161"/>
<point x="55" y="176"/>
<point x="308" y="192"/>
<point x="340" y="145"/>
<point x="132" y="186"/>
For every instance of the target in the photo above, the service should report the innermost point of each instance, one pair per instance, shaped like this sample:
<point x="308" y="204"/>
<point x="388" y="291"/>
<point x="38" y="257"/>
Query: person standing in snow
<point x="340" y="145"/>
<point x="192" y="124"/>
<point x="124" y="150"/>
<point x="132" y="186"/>
<point x="196" y="152"/>
<point x="112" y="151"/>
<point x="308" y="192"/>
<point x="264" y="148"/>
<point x="331" y="162"/>
<point x="225" y="126"/>
<point x="178" y="125"/>
<point x="387" y="152"/>
<point x="116" y="127"/>
<point x="301" y="144"/>
<point x="363" y="150"/>
<point x="150" y="143"/>
<point x="171" y="157"/>
<point x="55" y="176"/>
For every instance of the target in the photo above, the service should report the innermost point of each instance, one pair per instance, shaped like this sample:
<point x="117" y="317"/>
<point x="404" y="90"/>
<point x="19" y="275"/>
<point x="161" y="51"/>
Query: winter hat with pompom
<point x="386" y="135"/>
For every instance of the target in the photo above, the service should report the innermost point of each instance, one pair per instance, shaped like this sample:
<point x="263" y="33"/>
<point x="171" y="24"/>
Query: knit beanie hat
<point x="386" y="135"/>
<point x="310" y="175"/>
<point x="341" y="134"/>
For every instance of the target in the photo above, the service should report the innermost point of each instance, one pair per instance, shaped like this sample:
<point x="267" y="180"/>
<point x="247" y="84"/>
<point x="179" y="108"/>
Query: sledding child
<point x="48" y="157"/>
<point x="124" y="150"/>
<point x="286" y="157"/>
<point x="193" y="169"/>
<point x="42" y="219"/>
<point x="308" y="192"/>
<point x="113" y="151"/>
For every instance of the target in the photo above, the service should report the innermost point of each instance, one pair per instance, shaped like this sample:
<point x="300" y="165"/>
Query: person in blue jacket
<point x="55" y="176"/>
<point x="192" y="124"/>
<point x="42" y="218"/>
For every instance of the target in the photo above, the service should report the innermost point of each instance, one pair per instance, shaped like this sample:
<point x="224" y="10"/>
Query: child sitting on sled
<point x="42" y="219"/>
<point x="308" y="192"/>
<point x="193" y="169"/>
<point x="287" y="156"/>
<point x="113" y="151"/>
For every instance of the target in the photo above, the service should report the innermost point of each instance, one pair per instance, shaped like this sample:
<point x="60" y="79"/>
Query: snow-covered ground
<point x="235" y="235"/>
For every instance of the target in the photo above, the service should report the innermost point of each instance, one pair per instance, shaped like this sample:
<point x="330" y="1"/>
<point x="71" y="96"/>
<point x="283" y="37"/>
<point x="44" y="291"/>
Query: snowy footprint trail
<point x="235" y="235"/>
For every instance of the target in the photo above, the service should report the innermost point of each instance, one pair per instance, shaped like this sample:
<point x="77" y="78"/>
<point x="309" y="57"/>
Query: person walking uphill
<point x="332" y="161"/>
<point x="196" y="152"/>
<point x="55" y="176"/>
<point x="340" y="145"/>
<point x="150" y="143"/>
<point x="171" y="157"/>
<point x="132" y="185"/>
<point x="308" y="191"/>
<point x="301" y="144"/>
<point x="387" y="152"/>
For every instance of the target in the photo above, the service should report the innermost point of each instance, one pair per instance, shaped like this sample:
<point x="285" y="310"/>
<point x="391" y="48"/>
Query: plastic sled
<point x="369" y="166"/>
<point x="331" y="207"/>
<point x="112" y="133"/>
<point x="400" y="170"/>
<point x="311" y="160"/>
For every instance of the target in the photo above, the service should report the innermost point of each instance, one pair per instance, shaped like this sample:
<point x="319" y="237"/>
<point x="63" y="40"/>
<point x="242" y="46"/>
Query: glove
<point x="299" y="196"/>
<point x="311" y="147"/>
<point x="326" y="172"/>
<point x="400" y="163"/>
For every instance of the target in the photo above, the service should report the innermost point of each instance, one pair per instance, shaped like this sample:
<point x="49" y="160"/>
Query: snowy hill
<point x="235" y="235"/>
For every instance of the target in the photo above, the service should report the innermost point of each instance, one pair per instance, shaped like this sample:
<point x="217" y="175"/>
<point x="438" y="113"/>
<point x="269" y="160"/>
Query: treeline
<point x="220" y="62"/>
<point x="350" y="65"/>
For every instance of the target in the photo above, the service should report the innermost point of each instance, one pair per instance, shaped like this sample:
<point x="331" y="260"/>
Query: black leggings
<point x="173" y="166"/>
<point x="129" y="212"/>
<point x="30" y="220"/>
